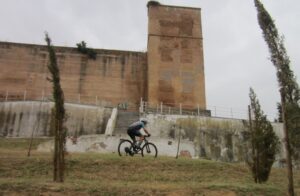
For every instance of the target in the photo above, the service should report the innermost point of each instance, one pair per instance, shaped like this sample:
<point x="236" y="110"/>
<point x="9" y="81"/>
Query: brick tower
<point x="175" y="56"/>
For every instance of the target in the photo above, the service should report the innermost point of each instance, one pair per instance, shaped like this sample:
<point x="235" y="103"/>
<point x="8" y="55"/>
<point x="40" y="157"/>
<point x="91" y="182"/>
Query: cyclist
<point x="136" y="129"/>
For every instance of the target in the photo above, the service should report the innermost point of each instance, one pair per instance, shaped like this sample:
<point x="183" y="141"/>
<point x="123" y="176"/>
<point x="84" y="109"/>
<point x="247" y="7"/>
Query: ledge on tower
<point x="153" y="3"/>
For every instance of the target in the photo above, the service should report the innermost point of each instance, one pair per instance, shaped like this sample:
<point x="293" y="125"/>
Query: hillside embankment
<point x="109" y="174"/>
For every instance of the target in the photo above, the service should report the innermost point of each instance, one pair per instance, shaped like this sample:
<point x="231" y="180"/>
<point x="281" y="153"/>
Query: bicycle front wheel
<point x="149" y="150"/>
<point x="125" y="148"/>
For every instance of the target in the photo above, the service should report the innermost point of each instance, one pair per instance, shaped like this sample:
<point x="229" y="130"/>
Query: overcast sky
<point x="236" y="56"/>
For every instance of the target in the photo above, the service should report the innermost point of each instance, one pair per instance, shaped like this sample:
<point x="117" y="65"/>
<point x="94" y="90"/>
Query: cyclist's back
<point x="136" y="126"/>
<point x="134" y="130"/>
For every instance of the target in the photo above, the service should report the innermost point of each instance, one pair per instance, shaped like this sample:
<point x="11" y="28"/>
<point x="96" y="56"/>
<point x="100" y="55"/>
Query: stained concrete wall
<point x="175" y="57"/>
<point x="109" y="144"/>
<point x="213" y="138"/>
<point x="217" y="139"/>
<point x="201" y="137"/>
<point x="114" y="77"/>
<point x="21" y="119"/>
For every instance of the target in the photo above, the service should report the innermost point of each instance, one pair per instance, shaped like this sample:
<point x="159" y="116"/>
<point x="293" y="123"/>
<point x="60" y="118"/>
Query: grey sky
<point x="236" y="56"/>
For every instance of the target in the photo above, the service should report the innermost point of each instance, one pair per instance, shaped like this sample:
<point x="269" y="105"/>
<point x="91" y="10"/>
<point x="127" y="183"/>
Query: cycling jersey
<point x="136" y="126"/>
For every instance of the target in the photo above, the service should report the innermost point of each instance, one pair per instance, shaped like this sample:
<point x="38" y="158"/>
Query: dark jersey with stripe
<point x="136" y="126"/>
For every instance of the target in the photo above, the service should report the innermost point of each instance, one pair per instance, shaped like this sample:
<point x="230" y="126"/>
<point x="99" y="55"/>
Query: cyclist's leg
<point x="131" y="134"/>
<point x="141" y="137"/>
<point x="142" y="133"/>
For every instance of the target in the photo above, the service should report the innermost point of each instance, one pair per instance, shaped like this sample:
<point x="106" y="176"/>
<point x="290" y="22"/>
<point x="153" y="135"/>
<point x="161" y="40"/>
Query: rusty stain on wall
<point x="175" y="44"/>
<point x="183" y="27"/>
<point x="82" y="73"/>
<point x="166" y="55"/>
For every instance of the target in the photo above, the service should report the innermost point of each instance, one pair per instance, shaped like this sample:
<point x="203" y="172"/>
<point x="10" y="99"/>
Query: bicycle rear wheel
<point x="125" y="148"/>
<point x="149" y="150"/>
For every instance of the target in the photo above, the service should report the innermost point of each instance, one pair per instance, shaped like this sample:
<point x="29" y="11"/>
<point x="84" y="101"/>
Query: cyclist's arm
<point x="146" y="131"/>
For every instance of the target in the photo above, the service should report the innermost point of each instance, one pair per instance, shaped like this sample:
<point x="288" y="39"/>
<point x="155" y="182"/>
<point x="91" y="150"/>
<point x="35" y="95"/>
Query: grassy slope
<point x="108" y="174"/>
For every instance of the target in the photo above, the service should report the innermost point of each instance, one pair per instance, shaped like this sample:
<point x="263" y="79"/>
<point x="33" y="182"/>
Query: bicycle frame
<point x="146" y="148"/>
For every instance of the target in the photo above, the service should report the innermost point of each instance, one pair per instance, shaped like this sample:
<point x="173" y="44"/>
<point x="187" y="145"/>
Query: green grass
<point x="109" y="174"/>
<point x="20" y="143"/>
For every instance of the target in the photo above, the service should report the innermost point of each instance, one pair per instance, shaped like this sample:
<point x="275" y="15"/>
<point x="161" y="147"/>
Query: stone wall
<point x="114" y="77"/>
<point x="22" y="119"/>
<point x="175" y="57"/>
<point x="171" y="72"/>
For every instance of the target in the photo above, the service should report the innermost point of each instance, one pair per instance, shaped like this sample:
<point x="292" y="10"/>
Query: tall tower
<point x="175" y="56"/>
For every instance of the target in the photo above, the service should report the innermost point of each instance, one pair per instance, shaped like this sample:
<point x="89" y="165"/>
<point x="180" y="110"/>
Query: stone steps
<point x="124" y="119"/>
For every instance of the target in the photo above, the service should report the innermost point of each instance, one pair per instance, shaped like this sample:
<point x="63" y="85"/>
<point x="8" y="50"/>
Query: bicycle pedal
<point x="127" y="150"/>
<point x="136" y="151"/>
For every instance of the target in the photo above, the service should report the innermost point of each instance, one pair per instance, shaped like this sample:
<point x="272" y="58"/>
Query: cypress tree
<point x="265" y="143"/>
<point x="58" y="114"/>
<point x="288" y="87"/>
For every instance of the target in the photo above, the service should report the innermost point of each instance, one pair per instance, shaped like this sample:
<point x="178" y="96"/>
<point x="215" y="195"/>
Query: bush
<point x="91" y="53"/>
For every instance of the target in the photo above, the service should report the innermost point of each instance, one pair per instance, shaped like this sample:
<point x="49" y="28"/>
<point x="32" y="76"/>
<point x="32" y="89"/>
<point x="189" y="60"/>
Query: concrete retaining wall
<point x="22" y="119"/>
<point x="213" y="138"/>
<point x="201" y="137"/>
<point x="109" y="144"/>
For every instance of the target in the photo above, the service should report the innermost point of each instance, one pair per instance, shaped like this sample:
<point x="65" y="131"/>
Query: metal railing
<point x="171" y="109"/>
<point x="194" y="110"/>
<point x="142" y="106"/>
<point x="6" y="96"/>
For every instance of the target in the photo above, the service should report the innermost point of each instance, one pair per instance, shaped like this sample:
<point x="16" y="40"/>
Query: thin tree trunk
<point x="287" y="147"/>
<point x="178" y="143"/>
<point x="257" y="165"/>
<point x="31" y="139"/>
<point x="61" y="153"/>
<point x="36" y="127"/>
<point x="252" y="143"/>
<point x="55" y="158"/>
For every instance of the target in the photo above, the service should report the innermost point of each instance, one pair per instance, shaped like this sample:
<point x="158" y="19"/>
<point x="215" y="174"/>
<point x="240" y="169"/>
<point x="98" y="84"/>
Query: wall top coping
<point x="174" y="6"/>
<point x="67" y="48"/>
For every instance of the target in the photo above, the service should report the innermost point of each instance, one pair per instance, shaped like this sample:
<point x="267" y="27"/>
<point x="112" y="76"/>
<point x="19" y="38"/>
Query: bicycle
<point x="126" y="147"/>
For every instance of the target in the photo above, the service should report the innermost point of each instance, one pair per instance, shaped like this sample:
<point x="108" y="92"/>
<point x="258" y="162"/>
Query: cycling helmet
<point x="144" y="121"/>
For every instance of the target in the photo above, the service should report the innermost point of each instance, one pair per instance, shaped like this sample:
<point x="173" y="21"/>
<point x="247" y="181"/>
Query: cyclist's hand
<point x="149" y="134"/>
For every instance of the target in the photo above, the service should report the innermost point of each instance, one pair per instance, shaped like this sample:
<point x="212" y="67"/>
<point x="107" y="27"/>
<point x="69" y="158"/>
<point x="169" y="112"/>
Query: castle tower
<point x="175" y="56"/>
